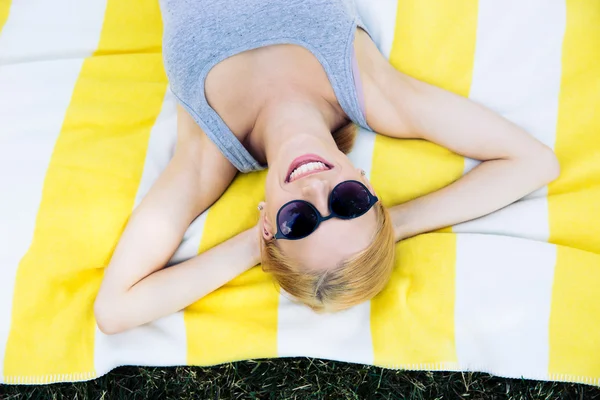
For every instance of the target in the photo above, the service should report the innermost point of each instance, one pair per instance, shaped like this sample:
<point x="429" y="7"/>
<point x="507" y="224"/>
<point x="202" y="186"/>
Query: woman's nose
<point x="317" y="192"/>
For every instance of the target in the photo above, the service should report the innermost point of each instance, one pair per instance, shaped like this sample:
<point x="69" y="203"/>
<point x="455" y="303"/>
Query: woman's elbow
<point x="107" y="318"/>
<point x="548" y="165"/>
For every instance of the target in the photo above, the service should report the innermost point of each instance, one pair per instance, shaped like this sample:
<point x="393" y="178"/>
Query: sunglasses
<point x="298" y="218"/>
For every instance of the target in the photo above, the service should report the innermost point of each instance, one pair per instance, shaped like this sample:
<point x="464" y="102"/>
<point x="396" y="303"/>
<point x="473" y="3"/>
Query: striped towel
<point x="87" y="124"/>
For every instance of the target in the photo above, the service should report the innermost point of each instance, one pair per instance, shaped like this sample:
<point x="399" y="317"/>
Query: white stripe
<point x="517" y="66"/>
<point x="50" y="30"/>
<point x="32" y="107"/>
<point x="517" y="73"/>
<point x="470" y="164"/>
<point x="191" y="240"/>
<point x="33" y="102"/>
<point x="502" y="306"/>
<point x="161" y="146"/>
<point x="342" y="336"/>
<point x="526" y="219"/>
<point x="362" y="152"/>
<point x="162" y="342"/>
<point x="380" y="19"/>
<point x="193" y="235"/>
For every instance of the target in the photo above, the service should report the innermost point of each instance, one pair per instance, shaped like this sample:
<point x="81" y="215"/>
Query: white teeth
<point x="311" y="166"/>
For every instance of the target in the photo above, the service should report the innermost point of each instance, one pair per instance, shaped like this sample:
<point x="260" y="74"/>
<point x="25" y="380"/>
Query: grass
<point x="297" y="379"/>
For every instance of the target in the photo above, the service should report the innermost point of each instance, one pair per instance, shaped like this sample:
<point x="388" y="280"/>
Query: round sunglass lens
<point x="350" y="200"/>
<point x="297" y="220"/>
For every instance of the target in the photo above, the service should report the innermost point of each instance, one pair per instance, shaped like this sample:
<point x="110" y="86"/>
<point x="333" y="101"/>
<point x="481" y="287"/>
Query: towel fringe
<point x="575" y="378"/>
<point x="442" y="366"/>
<point x="439" y="366"/>
<point x="49" y="378"/>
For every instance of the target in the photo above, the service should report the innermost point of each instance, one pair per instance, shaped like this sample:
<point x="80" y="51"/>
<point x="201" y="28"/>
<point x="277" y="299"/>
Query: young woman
<point x="282" y="83"/>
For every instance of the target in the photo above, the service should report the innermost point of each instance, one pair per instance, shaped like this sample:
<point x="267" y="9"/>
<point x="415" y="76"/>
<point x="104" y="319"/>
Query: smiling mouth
<point x="306" y="165"/>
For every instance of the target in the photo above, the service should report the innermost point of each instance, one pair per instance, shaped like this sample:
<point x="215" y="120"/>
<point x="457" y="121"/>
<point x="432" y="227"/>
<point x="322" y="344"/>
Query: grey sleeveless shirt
<point x="198" y="34"/>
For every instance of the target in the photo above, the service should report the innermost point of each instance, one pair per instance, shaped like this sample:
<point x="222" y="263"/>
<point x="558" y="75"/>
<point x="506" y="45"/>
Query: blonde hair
<point x="352" y="281"/>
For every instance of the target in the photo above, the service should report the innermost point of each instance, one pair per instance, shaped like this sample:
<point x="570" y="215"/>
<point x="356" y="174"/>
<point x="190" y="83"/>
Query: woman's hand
<point x="514" y="162"/>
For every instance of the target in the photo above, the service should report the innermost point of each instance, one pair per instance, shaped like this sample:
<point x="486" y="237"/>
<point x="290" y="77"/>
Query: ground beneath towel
<point x="297" y="379"/>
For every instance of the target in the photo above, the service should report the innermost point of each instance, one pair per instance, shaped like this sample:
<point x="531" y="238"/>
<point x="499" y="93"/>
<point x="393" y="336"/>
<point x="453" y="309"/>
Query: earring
<point x="362" y="172"/>
<point x="260" y="207"/>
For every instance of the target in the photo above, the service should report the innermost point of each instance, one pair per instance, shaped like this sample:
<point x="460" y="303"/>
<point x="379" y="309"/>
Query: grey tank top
<point x="198" y="34"/>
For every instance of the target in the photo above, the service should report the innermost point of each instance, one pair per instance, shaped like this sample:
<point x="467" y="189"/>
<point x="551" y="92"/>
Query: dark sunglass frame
<point x="320" y="218"/>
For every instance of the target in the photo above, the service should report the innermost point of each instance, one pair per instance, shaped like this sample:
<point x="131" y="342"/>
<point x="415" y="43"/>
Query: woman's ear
<point x="265" y="225"/>
<point x="365" y="180"/>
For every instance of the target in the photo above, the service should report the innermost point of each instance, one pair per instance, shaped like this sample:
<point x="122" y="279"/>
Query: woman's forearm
<point x="490" y="186"/>
<point x="174" y="288"/>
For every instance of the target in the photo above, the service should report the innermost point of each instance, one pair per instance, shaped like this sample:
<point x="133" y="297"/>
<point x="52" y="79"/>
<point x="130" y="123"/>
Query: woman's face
<point x="287" y="179"/>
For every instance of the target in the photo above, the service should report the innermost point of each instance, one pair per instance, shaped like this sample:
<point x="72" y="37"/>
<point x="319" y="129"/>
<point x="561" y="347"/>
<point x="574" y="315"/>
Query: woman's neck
<point x="279" y="120"/>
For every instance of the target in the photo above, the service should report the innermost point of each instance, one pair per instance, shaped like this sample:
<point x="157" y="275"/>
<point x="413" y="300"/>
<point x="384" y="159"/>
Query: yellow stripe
<point x="238" y="321"/>
<point x="574" y="198"/>
<point x="4" y="10"/>
<point x="574" y="201"/>
<point x="88" y="194"/>
<point x="435" y="41"/>
<point x="574" y="324"/>
<point x="412" y="321"/>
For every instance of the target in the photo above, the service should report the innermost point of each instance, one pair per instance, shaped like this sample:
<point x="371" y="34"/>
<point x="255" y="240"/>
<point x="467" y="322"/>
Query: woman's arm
<point x="515" y="163"/>
<point x="488" y="187"/>
<point x="136" y="289"/>
<point x="168" y="290"/>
